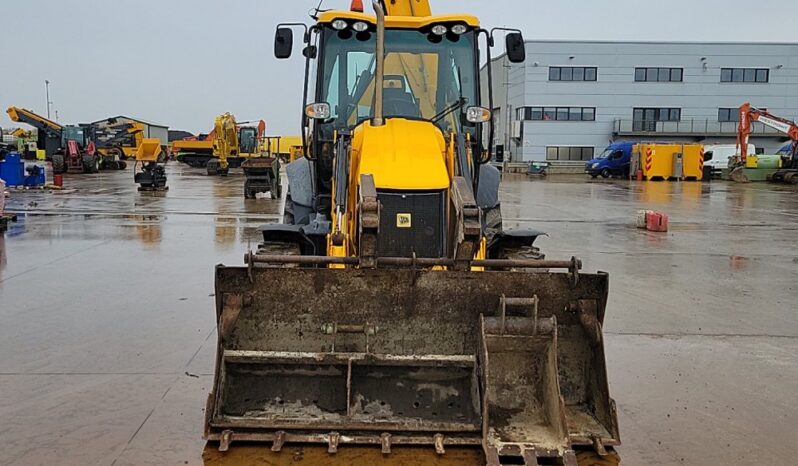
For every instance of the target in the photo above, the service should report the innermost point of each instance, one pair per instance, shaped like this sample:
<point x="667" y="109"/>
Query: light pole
<point x="47" y="91"/>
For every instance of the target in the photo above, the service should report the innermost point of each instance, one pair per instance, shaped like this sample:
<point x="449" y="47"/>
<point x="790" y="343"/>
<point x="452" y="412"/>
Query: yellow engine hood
<point x="402" y="154"/>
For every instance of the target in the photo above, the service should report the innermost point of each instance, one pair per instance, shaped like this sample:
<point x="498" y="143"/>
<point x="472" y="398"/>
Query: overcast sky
<point x="182" y="62"/>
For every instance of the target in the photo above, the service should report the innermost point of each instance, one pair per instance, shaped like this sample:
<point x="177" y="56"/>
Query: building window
<point x="728" y="114"/>
<point x="557" y="113"/>
<point x="662" y="75"/>
<point x="569" y="153"/>
<point x="646" y="119"/>
<point x="572" y="73"/>
<point x="744" y="75"/>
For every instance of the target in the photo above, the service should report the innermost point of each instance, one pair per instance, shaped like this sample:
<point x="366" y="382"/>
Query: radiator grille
<point x="412" y="222"/>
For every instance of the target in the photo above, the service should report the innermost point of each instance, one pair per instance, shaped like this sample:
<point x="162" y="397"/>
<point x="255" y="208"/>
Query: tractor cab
<point x="248" y="140"/>
<point x="74" y="133"/>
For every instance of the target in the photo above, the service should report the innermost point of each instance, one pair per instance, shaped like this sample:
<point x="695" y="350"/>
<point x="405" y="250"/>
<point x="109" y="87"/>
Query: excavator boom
<point x="749" y="114"/>
<point x="226" y="143"/>
<point x="788" y="171"/>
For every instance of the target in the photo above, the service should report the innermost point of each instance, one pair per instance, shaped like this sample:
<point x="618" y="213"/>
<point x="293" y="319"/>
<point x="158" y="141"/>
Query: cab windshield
<point x="248" y="140"/>
<point x="606" y="154"/>
<point x="73" y="133"/>
<point x="427" y="77"/>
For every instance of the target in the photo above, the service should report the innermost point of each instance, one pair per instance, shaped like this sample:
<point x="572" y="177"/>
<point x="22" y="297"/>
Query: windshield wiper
<point x="446" y="111"/>
<point x="457" y="105"/>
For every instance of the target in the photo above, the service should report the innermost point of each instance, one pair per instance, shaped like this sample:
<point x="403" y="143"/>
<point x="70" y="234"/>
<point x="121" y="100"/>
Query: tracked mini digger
<point x="391" y="308"/>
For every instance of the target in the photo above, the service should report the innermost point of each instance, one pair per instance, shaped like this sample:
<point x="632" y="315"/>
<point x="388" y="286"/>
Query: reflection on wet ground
<point x="108" y="338"/>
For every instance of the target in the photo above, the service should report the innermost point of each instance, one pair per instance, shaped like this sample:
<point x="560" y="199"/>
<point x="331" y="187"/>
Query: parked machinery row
<point x="83" y="148"/>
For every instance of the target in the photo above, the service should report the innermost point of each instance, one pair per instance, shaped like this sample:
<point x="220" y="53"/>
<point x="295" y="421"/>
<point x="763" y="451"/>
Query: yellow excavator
<point x="233" y="143"/>
<point x="392" y="309"/>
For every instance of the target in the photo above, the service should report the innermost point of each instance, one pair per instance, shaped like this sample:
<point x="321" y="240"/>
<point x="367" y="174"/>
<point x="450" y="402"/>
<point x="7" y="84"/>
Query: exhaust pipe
<point x="379" y="76"/>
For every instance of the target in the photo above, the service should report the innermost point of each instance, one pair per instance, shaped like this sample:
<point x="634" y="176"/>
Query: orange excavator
<point x="195" y="151"/>
<point x="788" y="173"/>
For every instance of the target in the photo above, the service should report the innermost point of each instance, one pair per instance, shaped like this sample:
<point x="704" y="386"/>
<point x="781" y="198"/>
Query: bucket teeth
<point x="279" y="441"/>
<point x="226" y="440"/>
<point x="332" y="443"/>
<point x="385" y="441"/>
<point x="530" y="458"/>
<point x="598" y="445"/>
<point x="439" y="444"/>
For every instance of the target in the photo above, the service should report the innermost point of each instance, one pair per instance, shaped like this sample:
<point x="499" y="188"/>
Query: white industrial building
<point x="571" y="98"/>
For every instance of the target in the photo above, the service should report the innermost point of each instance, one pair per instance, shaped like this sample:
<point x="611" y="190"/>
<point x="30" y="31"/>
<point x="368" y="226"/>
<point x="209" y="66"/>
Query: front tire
<point x="91" y="164"/>
<point x="605" y="173"/>
<point x="59" y="164"/>
<point x="117" y="153"/>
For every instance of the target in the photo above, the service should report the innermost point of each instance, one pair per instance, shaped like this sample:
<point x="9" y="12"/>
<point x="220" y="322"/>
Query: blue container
<point x="12" y="169"/>
<point x="35" y="176"/>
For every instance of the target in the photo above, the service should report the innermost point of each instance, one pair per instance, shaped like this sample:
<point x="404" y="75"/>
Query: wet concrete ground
<point x="107" y="335"/>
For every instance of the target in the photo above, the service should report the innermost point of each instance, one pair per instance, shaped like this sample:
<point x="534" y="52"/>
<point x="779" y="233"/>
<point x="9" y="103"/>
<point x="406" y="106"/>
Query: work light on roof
<point x="339" y="25"/>
<point x="360" y="26"/>
<point x="459" y="29"/>
<point x="439" y="30"/>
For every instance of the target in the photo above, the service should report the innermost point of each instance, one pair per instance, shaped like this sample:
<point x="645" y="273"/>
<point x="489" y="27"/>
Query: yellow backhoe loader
<point x="391" y="308"/>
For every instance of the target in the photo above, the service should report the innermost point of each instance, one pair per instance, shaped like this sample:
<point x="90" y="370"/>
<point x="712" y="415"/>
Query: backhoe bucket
<point x="738" y="175"/>
<point x="510" y="361"/>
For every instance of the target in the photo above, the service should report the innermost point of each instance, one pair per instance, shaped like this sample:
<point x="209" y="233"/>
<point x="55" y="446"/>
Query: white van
<point x="717" y="156"/>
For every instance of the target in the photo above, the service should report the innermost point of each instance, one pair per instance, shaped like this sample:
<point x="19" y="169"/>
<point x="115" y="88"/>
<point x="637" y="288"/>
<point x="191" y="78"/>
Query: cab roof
<point x="399" y="22"/>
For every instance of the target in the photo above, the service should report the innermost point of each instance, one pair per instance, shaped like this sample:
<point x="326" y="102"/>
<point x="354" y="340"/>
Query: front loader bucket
<point x="510" y="361"/>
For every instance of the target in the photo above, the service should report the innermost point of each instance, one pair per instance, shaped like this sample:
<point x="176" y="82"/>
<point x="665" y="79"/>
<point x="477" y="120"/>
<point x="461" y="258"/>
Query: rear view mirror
<point x="283" y="43"/>
<point x="516" y="51"/>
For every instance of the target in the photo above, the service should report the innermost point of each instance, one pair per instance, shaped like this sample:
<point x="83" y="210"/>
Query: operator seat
<point x="397" y="101"/>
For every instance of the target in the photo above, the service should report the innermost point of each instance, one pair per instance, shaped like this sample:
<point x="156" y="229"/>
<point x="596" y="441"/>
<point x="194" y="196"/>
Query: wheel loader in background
<point x="117" y="141"/>
<point x="392" y="308"/>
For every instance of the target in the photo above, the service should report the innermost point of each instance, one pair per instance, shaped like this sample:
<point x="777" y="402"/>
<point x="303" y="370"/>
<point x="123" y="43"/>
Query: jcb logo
<point x="404" y="221"/>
